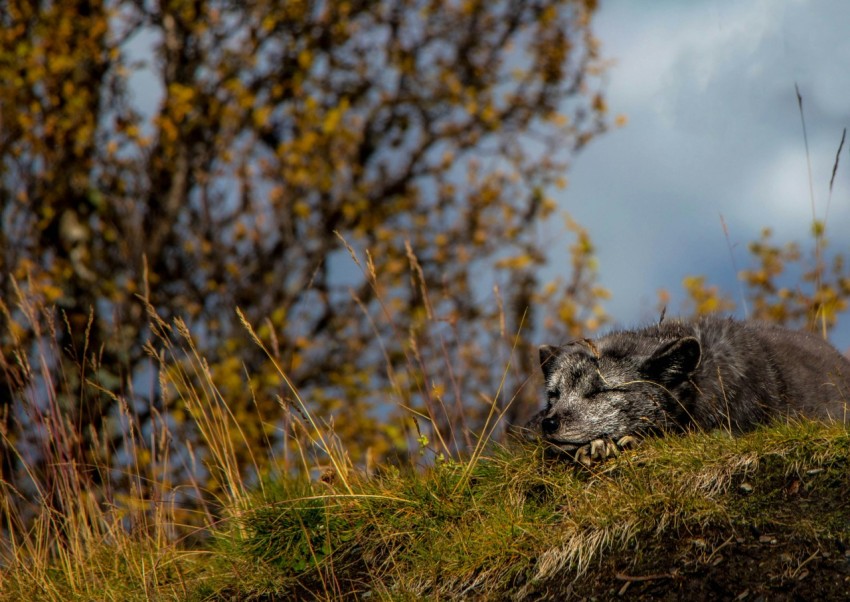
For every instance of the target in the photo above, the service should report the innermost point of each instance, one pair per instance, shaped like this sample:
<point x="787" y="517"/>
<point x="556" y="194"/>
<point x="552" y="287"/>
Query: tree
<point x="419" y="136"/>
<point x="783" y="286"/>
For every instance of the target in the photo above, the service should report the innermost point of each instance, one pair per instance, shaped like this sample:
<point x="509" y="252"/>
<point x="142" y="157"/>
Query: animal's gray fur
<point x="707" y="374"/>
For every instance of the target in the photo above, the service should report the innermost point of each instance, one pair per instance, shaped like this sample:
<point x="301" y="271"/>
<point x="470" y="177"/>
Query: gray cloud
<point x="708" y="88"/>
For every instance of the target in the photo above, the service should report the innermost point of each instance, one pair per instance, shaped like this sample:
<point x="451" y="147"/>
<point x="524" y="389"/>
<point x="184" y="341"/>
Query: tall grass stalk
<point x="89" y="512"/>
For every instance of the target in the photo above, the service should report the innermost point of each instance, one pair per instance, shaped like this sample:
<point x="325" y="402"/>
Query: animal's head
<point x="613" y="390"/>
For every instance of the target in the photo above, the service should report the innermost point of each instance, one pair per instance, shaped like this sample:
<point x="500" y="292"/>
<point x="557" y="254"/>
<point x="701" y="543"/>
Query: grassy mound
<point x="700" y="516"/>
<point x="705" y="514"/>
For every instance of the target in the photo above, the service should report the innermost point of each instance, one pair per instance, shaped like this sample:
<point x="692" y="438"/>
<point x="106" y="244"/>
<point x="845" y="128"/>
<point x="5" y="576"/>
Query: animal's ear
<point x="674" y="361"/>
<point x="548" y="355"/>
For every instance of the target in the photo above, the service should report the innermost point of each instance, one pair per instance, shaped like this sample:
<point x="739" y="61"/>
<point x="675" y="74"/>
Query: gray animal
<point x="602" y="395"/>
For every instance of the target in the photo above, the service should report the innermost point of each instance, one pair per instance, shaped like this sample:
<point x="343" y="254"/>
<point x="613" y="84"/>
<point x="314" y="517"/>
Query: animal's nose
<point x="549" y="425"/>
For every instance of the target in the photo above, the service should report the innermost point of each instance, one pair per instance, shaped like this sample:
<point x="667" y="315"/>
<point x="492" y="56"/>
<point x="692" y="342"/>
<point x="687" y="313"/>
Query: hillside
<point x="706" y="515"/>
<point x="763" y="515"/>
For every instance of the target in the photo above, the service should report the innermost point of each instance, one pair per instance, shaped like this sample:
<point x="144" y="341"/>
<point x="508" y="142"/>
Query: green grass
<point x="522" y="522"/>
<point x="515" y="525"/>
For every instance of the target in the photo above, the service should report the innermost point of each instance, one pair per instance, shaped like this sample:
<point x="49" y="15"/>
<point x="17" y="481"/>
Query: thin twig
<point x="735" y="266"/>
<point x="650" y="577"/>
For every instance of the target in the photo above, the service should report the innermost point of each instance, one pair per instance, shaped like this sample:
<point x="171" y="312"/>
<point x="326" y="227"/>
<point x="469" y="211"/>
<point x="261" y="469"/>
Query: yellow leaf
<point x="514" y="263"/>
<point x="301" y="209"/>
<point x="304" y="59"/>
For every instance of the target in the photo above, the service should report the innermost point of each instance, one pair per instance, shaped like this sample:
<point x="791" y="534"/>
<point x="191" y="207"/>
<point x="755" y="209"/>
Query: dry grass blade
<point x="806" y="143"/>
<point x="490" y="424"/>
<point x="336" y="458"/>
<point x="735" y="266"/>
<point x="837" y="156"/>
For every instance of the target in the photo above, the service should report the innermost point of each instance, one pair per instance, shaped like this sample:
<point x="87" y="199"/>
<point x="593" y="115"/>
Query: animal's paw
<point x="627" y="442"/>
<point x="601" y="449"/>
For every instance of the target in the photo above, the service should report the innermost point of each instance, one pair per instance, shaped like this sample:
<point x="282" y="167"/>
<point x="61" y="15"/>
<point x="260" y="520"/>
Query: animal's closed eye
<point x="606" y="391"/>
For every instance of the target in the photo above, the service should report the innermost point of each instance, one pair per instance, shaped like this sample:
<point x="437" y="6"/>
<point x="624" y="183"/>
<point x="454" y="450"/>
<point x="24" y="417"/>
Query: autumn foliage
<point x="367" y="182"/>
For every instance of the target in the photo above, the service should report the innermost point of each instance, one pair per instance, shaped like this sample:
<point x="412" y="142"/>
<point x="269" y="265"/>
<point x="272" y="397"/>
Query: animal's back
<point x="763" y="370"/>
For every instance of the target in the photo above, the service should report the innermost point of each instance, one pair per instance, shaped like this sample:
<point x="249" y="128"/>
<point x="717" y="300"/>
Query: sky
<point x="713" y="129"/>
